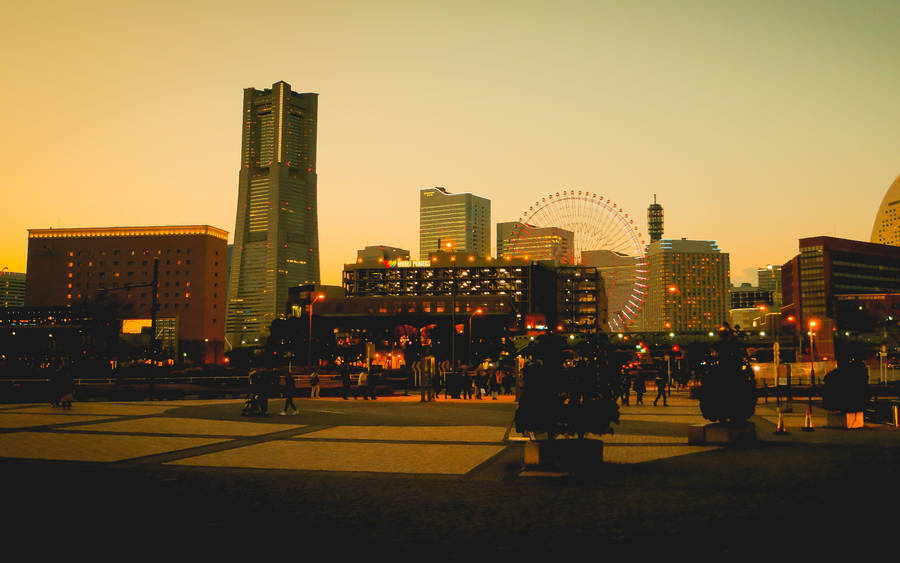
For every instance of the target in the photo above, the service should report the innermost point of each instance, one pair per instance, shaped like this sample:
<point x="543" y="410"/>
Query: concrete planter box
<point x="719" y="433"/>
<point x="846" y="420"/>
<point x="564" y="453"/>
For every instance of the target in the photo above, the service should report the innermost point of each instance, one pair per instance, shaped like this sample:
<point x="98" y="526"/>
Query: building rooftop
<point x="96" y="232"/>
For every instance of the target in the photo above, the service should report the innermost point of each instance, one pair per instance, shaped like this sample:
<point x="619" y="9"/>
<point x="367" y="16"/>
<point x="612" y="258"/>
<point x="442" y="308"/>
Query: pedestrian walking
<point x="660" y="389"/>
<point x="626" y="389"/>
<point x="289" y="388"/>
<point x="639" y="389"/>
<point x="314" y="385"/>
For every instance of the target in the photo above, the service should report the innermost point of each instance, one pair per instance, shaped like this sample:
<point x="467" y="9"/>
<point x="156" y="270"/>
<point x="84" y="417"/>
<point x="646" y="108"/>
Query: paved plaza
<point x="399" y="473"/>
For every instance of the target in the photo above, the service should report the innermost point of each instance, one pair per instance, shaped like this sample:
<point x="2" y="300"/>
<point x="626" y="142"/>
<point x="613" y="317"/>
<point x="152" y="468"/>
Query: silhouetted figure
<point x="639" y="389"/>
<point x="345" y="380"/>
<point x="314" y="385"/>
<point x="361" y="382"/>
<point x="660" y="389"/>
<point x="371" y="381"/>
<point x="289" y="389"/>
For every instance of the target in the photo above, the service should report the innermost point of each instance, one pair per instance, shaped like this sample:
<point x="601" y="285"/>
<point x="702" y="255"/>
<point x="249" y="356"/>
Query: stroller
<point x="255" y="405"/>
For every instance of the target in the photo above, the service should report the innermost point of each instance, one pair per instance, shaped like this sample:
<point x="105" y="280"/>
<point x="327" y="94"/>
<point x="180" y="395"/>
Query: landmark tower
<point x="276" y="237"/>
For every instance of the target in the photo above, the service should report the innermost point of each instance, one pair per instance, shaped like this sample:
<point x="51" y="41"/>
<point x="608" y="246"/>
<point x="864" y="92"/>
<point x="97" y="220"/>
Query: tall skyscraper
<point x="462" y="221"/>
<point x="689" y="282"/>
<point x="276" y="236"/>
<point x="769" y="279"/>
<point x="520" y="240"/>
<point x="886" y="229"/>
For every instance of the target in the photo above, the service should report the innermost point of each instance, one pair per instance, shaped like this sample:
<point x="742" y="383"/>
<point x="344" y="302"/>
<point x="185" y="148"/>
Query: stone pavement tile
<point x="681" y="419"/>
<point x="26" y="420"/>
<point x="172" y="425"/>
<point x="417" y="433"/>
<point x="107" y="409"/>
<point x="617" y="438"/>
<point x="91" y="447"/>
<point x="638" y="454"/>
<point x="795" y="420"/>
<point x="448" y="459"/>
<point x="668" y="409"/>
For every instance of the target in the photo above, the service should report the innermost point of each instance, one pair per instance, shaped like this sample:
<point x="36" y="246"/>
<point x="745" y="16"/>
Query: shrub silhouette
<point x="728" y="388"/>
<point x="847" y="386"/>
<point x="571" y="401"/>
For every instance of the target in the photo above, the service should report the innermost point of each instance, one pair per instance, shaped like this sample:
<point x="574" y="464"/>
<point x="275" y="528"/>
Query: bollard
<point x="896" y="420"/>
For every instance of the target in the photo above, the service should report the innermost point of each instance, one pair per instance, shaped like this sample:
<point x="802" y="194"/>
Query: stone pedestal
<point x="720" y="433"/>
<point x="697" y="434"/>
<point x="566" y="454"/>
<point x="845" y="420"/>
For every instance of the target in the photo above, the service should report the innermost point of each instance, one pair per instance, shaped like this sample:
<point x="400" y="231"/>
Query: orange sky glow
<point x="754" y="125"/>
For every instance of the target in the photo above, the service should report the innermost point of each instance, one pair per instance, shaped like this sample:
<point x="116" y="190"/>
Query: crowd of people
<point x="464" y="382"/>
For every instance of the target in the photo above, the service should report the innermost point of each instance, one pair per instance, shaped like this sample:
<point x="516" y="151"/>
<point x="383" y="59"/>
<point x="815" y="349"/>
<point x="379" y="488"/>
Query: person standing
<point x="314" y="385"/>
<point x="371" y="381"/>
<point x="345" y="379"/>
<point x="289" y="389"/>
<point x="425" y="368"/>
<point x="361" y="382"/>
<point x="467" y="377"/>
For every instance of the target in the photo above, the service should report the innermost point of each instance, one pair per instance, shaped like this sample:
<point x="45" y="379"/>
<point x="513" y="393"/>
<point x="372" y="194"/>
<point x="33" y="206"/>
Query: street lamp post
<point x="776" y="349"/>
<point x="475" y="312"/>
<point x="309" y="336"/>
<point x="812" y="359"/>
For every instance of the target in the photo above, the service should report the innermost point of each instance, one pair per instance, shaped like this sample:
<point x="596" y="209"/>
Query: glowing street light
<point x="812" y="355"/>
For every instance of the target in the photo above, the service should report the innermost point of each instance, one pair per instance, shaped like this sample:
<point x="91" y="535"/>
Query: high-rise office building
<point x="688" y="290"/>
<point x="458" y="222"/>
<point x="276" y="236"/>
<point x="520" y="240"/>
<point x="827" y="268"/>
<point x="769" y="279"/>
<point x="12" y="289"/>
<point x="886" y="229"/>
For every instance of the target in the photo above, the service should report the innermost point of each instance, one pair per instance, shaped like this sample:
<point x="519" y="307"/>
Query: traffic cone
<point x="807" y="425"/>
<point x="780" y="428"/>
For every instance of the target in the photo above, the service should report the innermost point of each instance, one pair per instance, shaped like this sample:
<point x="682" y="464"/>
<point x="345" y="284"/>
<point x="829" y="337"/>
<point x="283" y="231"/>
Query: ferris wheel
<point x="602" y="235"/>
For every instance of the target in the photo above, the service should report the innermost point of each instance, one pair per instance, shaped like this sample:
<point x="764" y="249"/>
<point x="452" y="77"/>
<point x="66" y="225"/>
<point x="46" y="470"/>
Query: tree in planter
<point x="558" y="401"/>
<point x="846" y="387"/>
<point x="728" y="388"/>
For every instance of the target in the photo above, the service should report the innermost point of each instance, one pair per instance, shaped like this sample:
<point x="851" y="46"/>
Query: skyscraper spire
<point x="655" y="220"/>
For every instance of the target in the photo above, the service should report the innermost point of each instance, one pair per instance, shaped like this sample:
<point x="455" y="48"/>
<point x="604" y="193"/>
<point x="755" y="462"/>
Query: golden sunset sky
<point x="755" y="123"/>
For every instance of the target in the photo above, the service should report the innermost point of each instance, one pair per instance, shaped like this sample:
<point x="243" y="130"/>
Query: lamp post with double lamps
<point x="478" y="311"/>
<point x="309" y="337"/>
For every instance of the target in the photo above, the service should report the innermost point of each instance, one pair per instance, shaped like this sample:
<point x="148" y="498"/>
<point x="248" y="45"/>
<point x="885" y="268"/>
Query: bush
<point x="728" y="389"/>
<point x="558" y="401"/>
<point x="846" y="387"/>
